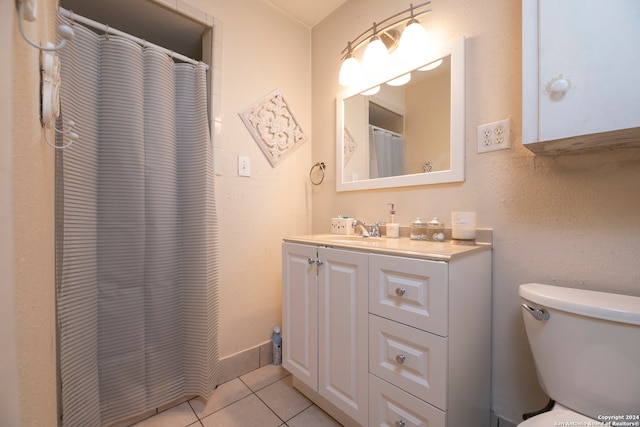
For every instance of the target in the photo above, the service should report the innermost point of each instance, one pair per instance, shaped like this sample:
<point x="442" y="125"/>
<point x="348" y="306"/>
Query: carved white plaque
<point x="273" y="126"/>
<point x="349" y="147"/>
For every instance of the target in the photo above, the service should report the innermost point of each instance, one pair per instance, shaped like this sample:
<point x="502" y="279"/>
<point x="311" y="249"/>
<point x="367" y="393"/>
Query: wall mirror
<point x="405" y="135"/>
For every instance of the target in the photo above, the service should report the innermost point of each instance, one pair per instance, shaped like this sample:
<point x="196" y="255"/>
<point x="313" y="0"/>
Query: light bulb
<point x="376" y="56"/>
<point x="413" y="41"/>
<point x="399" y="81"/>
<point x="349" y="71"/>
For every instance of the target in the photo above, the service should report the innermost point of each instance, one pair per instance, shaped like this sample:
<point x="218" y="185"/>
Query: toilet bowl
<point x="586" y="349"/>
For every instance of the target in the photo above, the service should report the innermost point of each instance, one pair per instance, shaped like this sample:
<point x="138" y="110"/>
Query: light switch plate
<point x="244" y="166"/>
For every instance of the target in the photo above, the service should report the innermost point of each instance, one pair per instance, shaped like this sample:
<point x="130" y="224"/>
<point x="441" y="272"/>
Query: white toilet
<point x="586" y="348"/>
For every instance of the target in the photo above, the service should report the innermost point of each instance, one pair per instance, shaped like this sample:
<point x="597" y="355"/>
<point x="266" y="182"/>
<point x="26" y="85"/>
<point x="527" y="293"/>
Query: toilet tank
<point x="587" y="353"/>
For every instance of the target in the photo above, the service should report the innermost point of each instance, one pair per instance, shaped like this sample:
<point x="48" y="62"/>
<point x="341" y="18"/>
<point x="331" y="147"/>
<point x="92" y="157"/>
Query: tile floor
<point x="262" y="398"/>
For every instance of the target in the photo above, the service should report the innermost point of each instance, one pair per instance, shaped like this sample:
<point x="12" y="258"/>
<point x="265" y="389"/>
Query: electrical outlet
<point x="494" y="136"/>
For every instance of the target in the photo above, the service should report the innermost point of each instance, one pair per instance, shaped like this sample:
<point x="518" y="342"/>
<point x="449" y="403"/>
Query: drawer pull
<point x="400" y="423"/>
<point x="401" y="358"/>
<point x="400" y="291"/>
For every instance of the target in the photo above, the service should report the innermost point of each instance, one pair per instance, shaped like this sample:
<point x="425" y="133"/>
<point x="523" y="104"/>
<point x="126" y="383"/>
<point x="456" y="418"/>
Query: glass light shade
<point x="414" y="40"/>
<point x="376" y="56"/>
<point x="431" y="66"/>
<point x="349" y="71"/>
<point x="399" y="81"/>
<point x="371" y="91"/>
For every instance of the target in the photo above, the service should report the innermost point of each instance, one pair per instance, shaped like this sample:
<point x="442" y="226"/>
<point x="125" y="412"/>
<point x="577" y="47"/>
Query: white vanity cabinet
<point x="324" y="323"/>
<point x="429" y="341"/>
<point x="390" y="337"/>
<point x="579" y="70"/>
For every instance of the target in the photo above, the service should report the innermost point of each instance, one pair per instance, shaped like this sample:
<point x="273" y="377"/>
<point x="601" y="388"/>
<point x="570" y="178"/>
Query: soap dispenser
<point x="393" y="228"/>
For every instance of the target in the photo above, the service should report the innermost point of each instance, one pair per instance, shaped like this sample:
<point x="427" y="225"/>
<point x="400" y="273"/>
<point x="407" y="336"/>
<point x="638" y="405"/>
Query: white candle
<point x="463" y="225"/>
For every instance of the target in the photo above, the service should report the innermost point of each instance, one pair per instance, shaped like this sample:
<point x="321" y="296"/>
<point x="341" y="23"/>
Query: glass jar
<point x="435" y="230"/>
<point x="418" y="230"/>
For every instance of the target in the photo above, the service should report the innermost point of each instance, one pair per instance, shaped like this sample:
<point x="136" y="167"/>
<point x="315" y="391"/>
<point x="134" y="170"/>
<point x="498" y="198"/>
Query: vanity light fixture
<point x="381" y="40"/>
<point x="350" y="70"/>
<point x="376" y="56"/>
<point x="413" y="38"/>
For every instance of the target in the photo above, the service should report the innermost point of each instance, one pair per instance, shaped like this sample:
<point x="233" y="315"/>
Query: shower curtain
<point x="136" y="232"/>
<point x="386" y="153"/>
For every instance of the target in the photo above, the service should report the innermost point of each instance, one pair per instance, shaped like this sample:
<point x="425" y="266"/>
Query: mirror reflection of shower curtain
<point x="386" y="153"/>
<point x="136" y="232"/>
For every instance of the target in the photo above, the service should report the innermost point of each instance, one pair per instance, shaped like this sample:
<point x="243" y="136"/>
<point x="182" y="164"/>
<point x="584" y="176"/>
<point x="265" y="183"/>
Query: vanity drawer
<point x="410" y="291"/>
<point x="414" y="360"/>
<point x="390" y="406"/>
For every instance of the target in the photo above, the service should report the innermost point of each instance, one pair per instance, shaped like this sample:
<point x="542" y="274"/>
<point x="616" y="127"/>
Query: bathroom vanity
<point x="396" y="332"/>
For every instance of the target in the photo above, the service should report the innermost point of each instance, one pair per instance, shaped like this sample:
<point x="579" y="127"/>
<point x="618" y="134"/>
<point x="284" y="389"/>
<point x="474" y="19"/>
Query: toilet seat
<point x="559" y="415"/>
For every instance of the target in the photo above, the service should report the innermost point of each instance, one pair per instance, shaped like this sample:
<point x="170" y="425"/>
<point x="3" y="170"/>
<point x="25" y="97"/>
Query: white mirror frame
<point x="456" y="49"/>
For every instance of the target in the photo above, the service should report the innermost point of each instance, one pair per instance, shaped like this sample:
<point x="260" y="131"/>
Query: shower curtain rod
<point x="378" y="128"/>
<point x="107" y="29"/>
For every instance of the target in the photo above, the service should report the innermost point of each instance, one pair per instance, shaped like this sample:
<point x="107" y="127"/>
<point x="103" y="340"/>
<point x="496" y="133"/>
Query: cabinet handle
<point x="400" y="291"/>
<point x="316" y="261"/>
<point x="401" y="358"/>
<point x="319" y="261"/>
<point x="311" y="260"/>
<point x="400" y="423"/>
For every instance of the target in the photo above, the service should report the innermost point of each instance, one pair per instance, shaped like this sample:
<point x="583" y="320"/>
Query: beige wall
<point x="9" y="392"/>
<point x="262" y="50"/>
<point x="565" y="221"/>
<point x="33" y="227"/>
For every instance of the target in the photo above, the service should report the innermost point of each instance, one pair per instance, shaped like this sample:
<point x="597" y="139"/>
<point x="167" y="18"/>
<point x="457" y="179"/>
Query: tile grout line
<point x="199" y="419"/>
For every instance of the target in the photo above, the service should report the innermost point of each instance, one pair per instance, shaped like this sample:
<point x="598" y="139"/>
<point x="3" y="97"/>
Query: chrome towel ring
<point x="322" y="167"/>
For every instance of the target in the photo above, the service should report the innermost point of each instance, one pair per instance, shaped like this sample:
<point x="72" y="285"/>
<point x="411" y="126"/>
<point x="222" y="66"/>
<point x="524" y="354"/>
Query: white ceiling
<point x="309" y="12"/>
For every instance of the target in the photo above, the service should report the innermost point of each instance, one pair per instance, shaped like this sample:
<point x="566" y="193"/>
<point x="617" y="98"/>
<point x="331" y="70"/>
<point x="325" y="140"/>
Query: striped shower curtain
<point x="136" y="232"/>
<point x="386" y="153"/>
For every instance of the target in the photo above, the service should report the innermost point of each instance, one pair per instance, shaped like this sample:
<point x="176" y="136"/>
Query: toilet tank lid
<point x="600" y="305"/>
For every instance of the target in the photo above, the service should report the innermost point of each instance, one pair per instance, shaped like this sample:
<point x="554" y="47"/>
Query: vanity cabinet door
<point x="300" y="312"/>
<point x="342" y="330"/>
<point x="580" y="65"/>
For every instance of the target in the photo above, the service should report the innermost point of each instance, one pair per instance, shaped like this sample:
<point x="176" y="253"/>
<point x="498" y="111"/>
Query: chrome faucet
<point x="366" y="230"/>
<point x="363" y="227"/>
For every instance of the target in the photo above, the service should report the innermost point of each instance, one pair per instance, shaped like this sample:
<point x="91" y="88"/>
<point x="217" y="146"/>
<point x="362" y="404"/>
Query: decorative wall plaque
<point x="349" y="147"/>
<point x="273" y="126"/>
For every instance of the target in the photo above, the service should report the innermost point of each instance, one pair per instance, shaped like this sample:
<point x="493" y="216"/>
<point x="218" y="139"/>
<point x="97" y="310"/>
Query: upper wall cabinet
<point x="580" y="62"/>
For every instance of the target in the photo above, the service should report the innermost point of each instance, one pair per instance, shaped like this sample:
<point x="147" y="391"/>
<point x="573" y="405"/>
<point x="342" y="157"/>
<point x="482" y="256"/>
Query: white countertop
<point x="401" y="246"/>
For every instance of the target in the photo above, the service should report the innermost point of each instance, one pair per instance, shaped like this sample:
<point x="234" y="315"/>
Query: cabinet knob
<point x="400" y="423"/>
<point x="558" y="87"/>
<point x="311" y="260"/>
<point x="400" y="291"/>
<point x="401" y="358"/>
